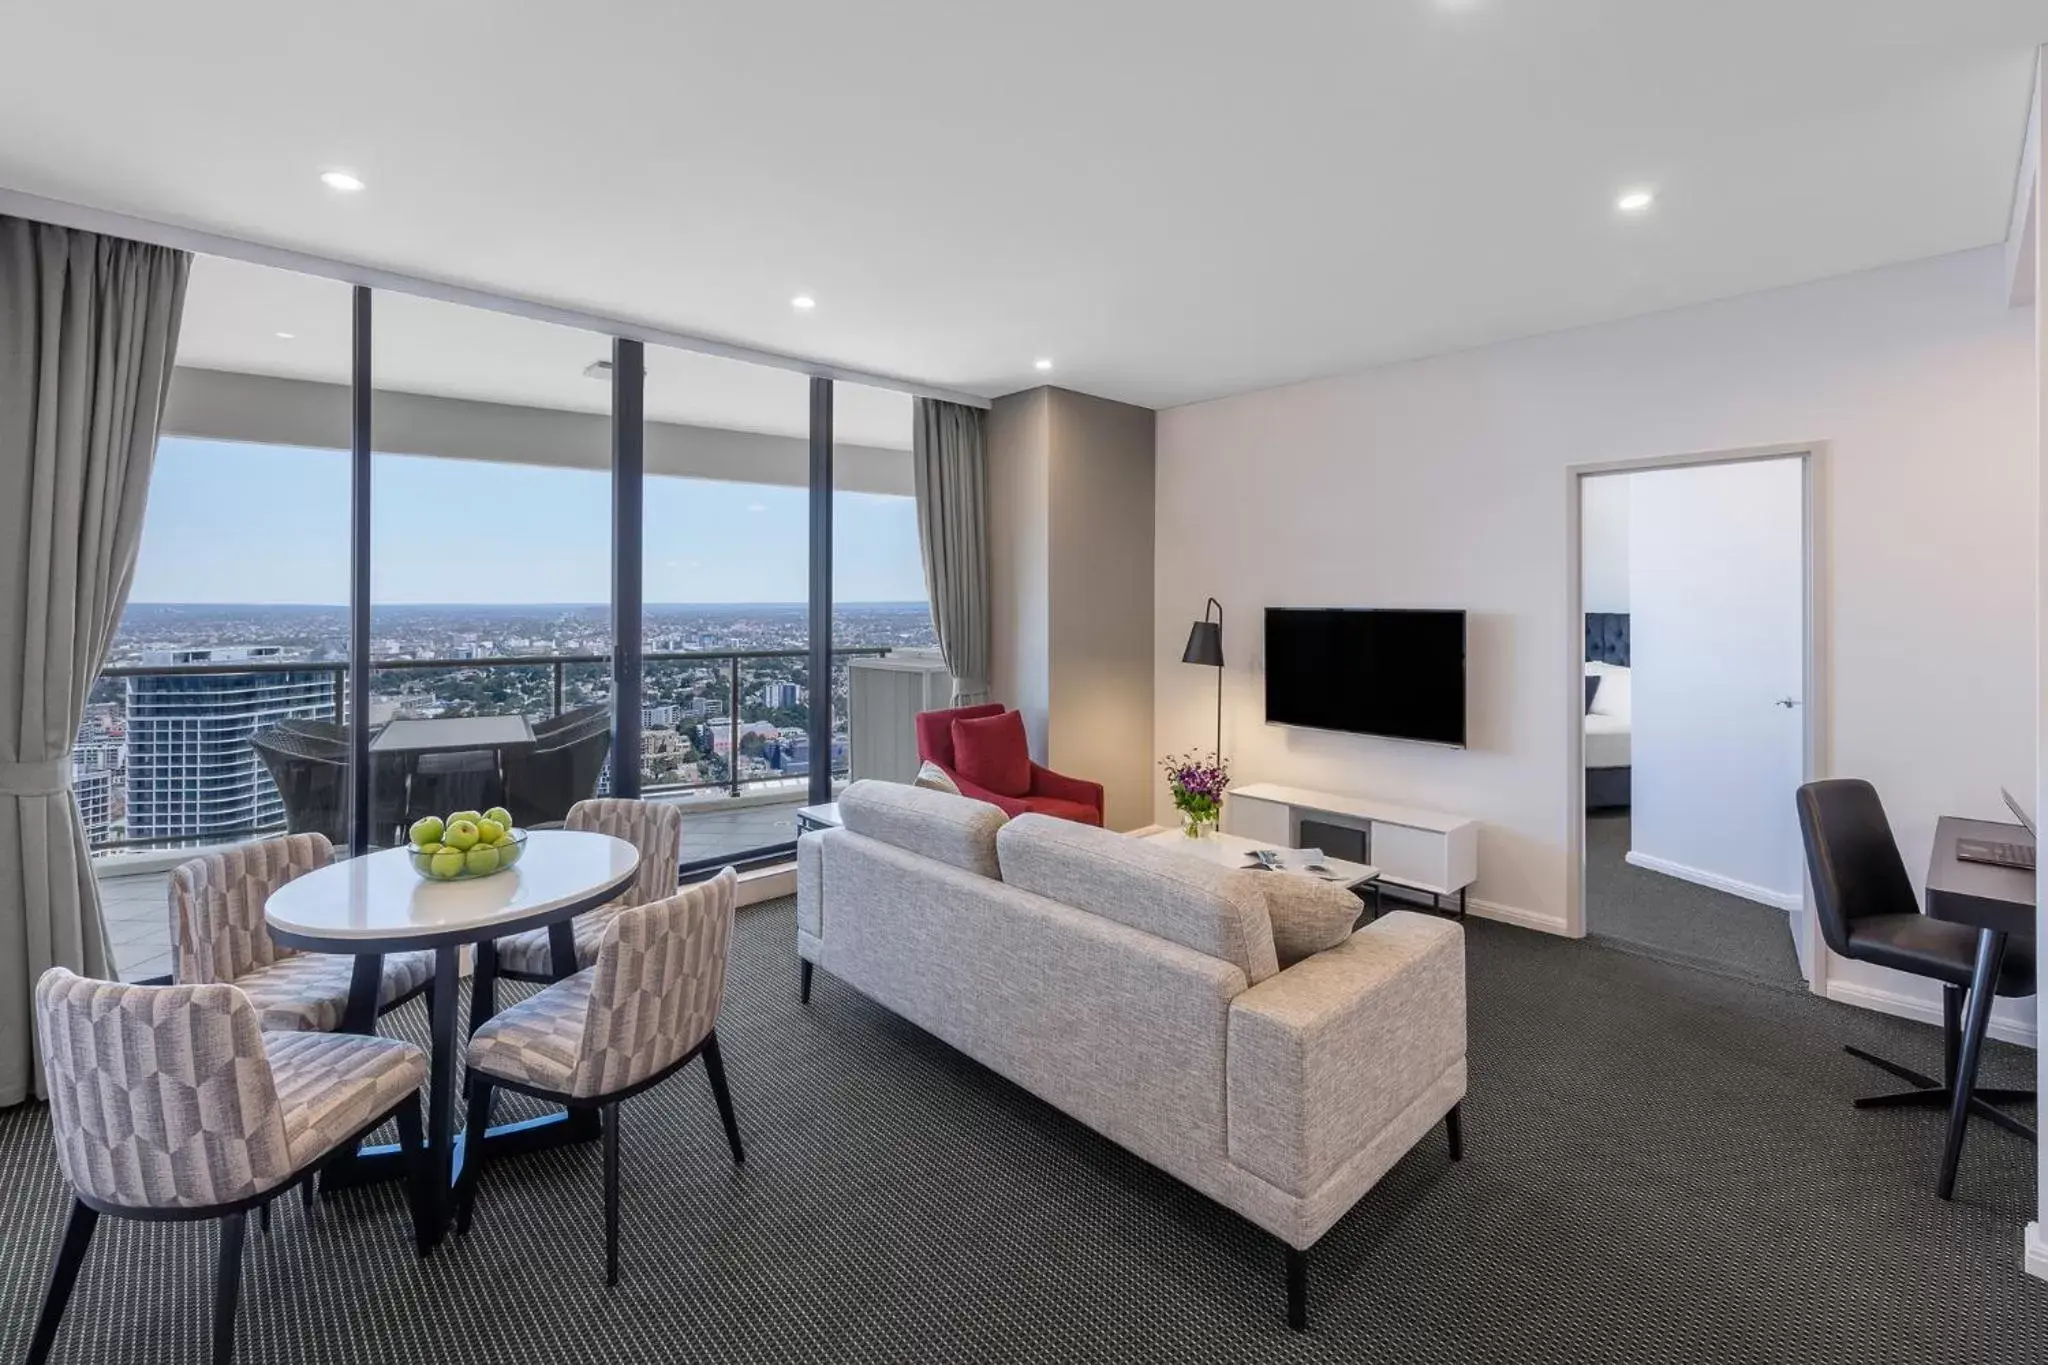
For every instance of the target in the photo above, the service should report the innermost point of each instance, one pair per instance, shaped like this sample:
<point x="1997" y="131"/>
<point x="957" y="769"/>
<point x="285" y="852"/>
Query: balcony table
<point x="376" y="904"/>
<point x="451" y="734"/>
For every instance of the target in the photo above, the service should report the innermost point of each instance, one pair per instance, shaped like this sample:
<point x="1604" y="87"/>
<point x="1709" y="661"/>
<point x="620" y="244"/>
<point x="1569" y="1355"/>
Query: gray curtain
<point x="88" y="336"/>
<point x="951" y="472"/>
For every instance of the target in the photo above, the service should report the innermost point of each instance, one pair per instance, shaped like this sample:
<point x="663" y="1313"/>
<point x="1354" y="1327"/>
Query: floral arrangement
<point x="1197" y="783"/>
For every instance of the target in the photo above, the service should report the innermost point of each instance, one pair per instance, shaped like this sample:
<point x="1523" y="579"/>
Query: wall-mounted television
<point x="1396" y="673"/>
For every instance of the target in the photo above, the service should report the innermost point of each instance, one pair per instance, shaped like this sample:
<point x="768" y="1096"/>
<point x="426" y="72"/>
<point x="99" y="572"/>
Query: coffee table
<point x="1231" y="850"/>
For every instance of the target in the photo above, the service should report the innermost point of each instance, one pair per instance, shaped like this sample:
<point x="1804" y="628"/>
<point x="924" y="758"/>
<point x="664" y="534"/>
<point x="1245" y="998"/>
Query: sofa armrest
<point x="1327" y="1054"/>
<point x="1046" y="782"/>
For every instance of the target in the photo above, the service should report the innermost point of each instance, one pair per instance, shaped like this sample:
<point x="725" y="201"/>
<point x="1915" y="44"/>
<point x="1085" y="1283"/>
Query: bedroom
<point x="1693" y="584"/>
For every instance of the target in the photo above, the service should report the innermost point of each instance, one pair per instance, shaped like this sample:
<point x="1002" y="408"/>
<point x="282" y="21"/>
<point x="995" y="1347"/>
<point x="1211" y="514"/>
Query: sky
<point x="231" y="522"/>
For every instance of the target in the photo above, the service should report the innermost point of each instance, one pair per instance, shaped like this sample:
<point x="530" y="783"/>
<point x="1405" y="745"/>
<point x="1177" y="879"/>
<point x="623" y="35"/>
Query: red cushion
<point x="935" y="731"/>
<point x="1079" y="811"/>
<point x="990" y="751"/>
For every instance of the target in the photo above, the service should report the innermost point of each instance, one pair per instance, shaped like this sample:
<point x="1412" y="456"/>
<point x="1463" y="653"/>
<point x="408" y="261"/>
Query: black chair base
<point x="1929" y="1093"/>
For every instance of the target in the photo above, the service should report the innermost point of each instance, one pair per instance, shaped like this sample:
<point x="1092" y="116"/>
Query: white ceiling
<point x="1175" y="199"/>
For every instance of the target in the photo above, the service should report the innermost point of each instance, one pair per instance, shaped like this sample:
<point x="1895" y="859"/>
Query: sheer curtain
<point x="88" y="338"/>
<point x="951" y="476"/>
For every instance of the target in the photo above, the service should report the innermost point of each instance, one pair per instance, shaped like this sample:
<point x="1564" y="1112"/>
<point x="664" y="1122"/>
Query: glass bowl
<point x="472" y="866"/>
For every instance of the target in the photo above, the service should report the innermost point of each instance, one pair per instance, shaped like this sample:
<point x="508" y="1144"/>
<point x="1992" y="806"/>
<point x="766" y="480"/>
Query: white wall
<point x="1716" y="569"/>
<point x="1441" y="483"/>
<point x="1603" y="538"/>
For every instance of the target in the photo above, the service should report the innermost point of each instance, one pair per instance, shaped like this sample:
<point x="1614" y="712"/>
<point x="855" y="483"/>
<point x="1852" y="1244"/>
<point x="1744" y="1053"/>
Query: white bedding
<point x="1607" y="741"/>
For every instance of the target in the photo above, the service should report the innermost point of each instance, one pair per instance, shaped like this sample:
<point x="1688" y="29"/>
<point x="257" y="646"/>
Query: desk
<point x="1998" y="902"/>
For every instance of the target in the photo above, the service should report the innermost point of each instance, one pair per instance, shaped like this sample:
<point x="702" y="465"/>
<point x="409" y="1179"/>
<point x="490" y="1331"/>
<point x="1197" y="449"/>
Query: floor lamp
<point x="1205" y="647"/>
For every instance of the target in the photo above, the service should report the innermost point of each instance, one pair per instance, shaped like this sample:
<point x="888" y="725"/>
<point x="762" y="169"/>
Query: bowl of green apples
<point x="466" y="845"/>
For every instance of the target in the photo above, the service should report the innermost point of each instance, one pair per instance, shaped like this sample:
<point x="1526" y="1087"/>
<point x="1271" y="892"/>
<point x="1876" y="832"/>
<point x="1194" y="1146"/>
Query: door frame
<point x="1815" y="691"/>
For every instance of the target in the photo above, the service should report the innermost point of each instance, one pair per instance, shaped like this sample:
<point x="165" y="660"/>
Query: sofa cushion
<point x="991" y="752"/>
<point x="933" y="778"/>
<point x="955" y="830"/>
<point x="1308" y="914"/>
<point x="1214" y="910"/>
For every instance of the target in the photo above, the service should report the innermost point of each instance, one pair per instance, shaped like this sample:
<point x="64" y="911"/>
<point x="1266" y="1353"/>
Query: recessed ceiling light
<point x="1041" y="364"/>
<point x="803" y="303"/>
<point x="286" y="336"/>
<point x="1635" y="201"/>
<point x="340" y="180"/>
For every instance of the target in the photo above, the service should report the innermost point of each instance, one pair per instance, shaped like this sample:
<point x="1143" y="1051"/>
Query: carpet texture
<point x="1679" y="921"/>
<point x="1661" y="1165"/>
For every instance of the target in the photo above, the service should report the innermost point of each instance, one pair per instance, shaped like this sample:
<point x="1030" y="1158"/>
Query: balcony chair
<point x="1868" y="913"/>
<point x="171" y="1104"/>
<point x="544" y="781"/>
<point x="982" y="750"/>
<point x="645" y="1009"/>
<point x="466" y="779"/>
<point x="308" y="761"/>
<point x="219" y="937"/>
<point x="653" y="827"/>
<point x="580" y="718"/>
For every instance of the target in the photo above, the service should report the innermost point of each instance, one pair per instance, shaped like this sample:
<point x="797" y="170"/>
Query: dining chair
<point x="645" y="1010"/>
<point x="218" y="936"/>
<point x="172" y="1104"/>
<point x="653" y="827"/>
<point x="1868" y="912"/>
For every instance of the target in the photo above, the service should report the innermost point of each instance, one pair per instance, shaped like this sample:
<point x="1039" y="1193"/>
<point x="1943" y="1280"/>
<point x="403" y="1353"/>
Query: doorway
<point x="1695" y="597"/>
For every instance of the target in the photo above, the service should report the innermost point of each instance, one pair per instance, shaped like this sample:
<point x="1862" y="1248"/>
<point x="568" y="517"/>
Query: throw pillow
<point x="992" y="753"/>
<point x="1592" y="686"/>
<point x="1613" y="697"/>
<point x="933" y="778"/>
<point x="1308" y="915"/>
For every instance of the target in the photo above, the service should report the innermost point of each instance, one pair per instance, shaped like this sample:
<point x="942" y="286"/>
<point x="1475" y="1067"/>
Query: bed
<point x="1608" y="685"/>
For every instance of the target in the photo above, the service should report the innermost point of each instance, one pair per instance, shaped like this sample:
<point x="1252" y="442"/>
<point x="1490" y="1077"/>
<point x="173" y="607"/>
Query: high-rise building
<point x="779" y="696"/>
<point x="192" y="775"/>
<point x="94" y="788"/>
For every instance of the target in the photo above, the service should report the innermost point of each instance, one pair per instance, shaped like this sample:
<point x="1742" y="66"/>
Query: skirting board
<point x="1926" y="1011"/>
<point x="2037" y="1252"/>
<point x="1777" y="900"/>
<point x="1493" y="910"/>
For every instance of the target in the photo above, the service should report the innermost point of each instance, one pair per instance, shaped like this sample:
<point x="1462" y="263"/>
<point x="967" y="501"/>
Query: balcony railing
<point x="732" y="661"/>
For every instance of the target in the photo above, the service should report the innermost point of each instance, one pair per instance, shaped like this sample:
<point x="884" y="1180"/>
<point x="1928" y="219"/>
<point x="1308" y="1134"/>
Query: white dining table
<point x="376" y="904"/>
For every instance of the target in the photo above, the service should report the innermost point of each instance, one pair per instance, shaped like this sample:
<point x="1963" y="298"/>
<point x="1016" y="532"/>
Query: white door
<point x="1717" y="642"/>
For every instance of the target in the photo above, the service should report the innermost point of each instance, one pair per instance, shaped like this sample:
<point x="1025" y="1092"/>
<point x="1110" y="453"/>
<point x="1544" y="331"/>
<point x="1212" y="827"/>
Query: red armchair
<point x="1047" y="793"/>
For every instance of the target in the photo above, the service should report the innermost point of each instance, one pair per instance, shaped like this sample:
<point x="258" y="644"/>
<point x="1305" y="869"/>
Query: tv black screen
<point x="1394" y="673"/>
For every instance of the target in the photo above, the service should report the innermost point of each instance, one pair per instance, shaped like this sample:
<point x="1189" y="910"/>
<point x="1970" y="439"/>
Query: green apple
<point x="489" y="831"/>
<point x="469" y="815"/>
<point x="423" y="862"/>
<point x="461" y="835"/>
<point x="509" y="851"/>
<point x="481" y="861"/>
<point x="446" y="865"/>
<point x="430" y="849"/>
<point x="426" y="831"/>
<point x="500" y="814"/>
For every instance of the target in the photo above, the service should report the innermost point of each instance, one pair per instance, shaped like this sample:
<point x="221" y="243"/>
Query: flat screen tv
<point x="1396" y="673"/>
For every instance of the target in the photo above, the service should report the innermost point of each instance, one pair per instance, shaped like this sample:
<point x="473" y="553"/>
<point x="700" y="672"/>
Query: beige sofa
<point x="1137" y="989"/>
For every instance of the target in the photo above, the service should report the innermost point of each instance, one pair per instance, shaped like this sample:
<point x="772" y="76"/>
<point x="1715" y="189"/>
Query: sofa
<point x="1033" y="788"/>
<point x="1138" y="990"/>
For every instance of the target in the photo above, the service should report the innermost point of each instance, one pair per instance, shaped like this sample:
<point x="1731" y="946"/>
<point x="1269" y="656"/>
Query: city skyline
<point x="218" y="509"/>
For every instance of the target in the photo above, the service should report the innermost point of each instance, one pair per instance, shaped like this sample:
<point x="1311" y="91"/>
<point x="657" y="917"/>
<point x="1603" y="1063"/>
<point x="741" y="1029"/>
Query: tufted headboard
<point x="1607" y="637"/>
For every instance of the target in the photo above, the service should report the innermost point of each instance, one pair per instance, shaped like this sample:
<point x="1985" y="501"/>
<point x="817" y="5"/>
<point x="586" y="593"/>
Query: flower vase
<point x="1197" y="826"/>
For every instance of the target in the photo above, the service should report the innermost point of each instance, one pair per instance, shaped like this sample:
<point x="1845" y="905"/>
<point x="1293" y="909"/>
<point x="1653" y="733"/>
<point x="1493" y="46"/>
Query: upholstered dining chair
<point x="645" y="1010"/>
<point x="653" y="827"/>
<point x="218" y="936"/>
<point x="171" y="1104"/>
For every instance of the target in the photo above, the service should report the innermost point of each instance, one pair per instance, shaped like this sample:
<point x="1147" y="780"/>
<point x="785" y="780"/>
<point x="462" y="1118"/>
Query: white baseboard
<point x="1762" y="895"/>
<point x="2037" y="1252"/>
<point x="1926" y="1011"/>
<point x="1517" y="916"/>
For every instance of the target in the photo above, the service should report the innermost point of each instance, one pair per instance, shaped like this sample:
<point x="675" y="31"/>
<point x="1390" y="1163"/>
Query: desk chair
<point x="1868" y="913"/>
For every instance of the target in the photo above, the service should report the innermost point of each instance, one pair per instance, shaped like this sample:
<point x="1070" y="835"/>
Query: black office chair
<point x="1868" y="913"/>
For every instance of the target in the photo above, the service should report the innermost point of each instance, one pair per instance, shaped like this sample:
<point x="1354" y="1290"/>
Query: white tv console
<point x="1420" y="850"/>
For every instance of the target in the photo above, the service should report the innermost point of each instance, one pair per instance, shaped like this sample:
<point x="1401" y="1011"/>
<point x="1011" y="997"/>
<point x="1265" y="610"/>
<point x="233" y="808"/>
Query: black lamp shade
<point x="1205" y="644"/>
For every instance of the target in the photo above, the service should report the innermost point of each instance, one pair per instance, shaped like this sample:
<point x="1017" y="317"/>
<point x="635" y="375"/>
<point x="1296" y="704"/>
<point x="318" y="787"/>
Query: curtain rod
<point x="63" y="214"/>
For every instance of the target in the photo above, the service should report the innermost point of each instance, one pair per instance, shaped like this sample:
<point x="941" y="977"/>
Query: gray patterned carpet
<point x="1661" y="1165"/>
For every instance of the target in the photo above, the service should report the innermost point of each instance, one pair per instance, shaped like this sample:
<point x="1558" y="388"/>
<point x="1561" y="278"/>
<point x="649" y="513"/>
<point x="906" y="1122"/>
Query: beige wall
<point x="1071" y="554"/>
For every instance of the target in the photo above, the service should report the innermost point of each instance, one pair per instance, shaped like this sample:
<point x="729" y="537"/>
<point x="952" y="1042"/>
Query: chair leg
<point x="415" y="1149"/>
<point x="483" y="985"/>
<point x="472" y="1150"/>
<point x="227" y="1288"/>
<point x="1297" y="1289"/>
<point x="611" y="1193"/>
<point x="804" y="968"/>
<point x="1977" y="1017"/>
<point x="63" y="1275"/>
<point x="714" y="1067"/>
<point x="263" y="1217"/>
<point x="306" y="1190"/>
<point x="1454" y="1129"/>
